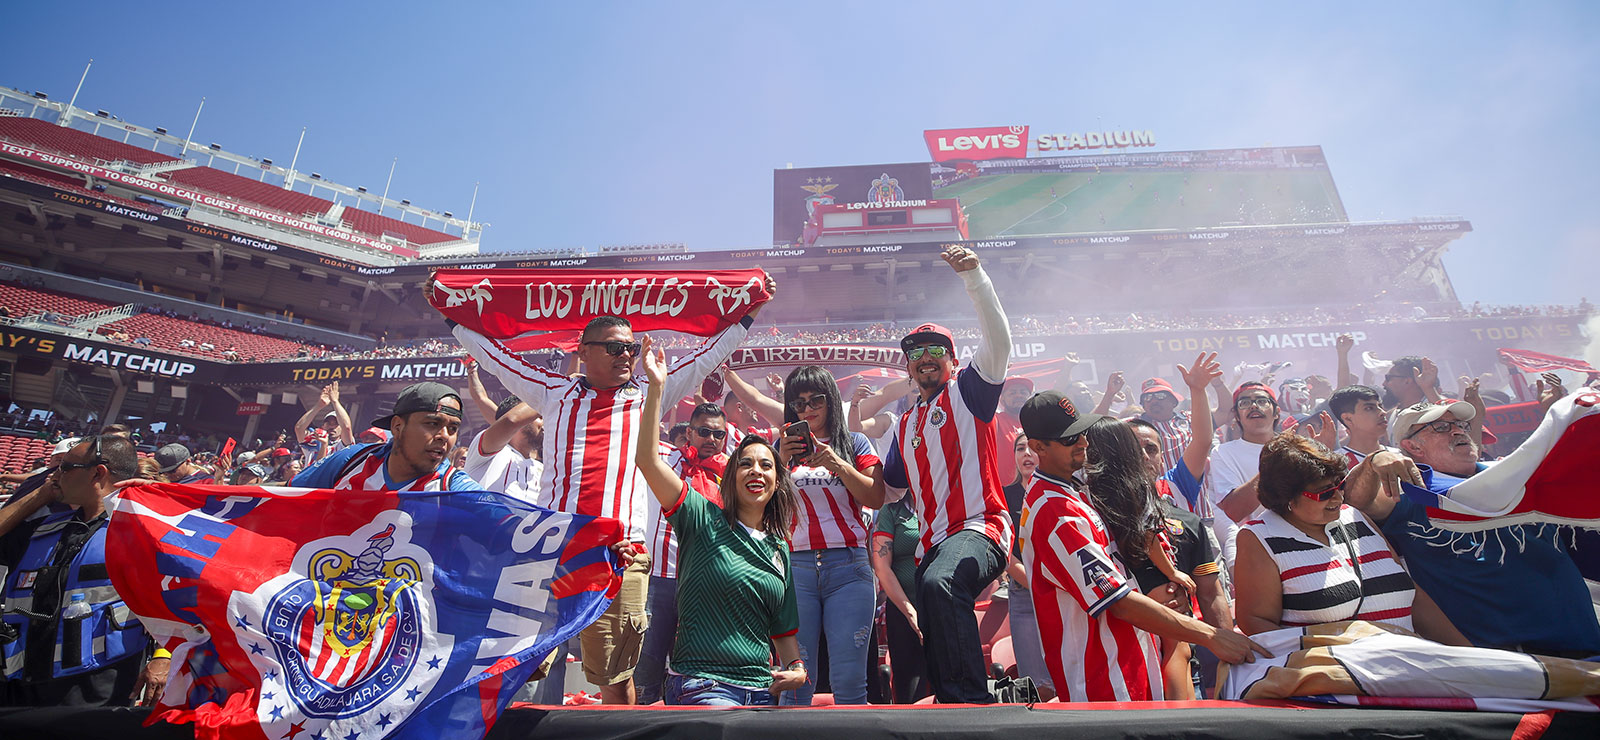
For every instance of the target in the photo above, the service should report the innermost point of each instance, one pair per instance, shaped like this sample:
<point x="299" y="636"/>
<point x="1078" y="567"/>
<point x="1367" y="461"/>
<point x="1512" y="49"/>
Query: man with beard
<point x="1513" y="587"/>
<point x="943" y="452"/>
<point x="590" y="468"/>
<point x="505" y="457"/>
<point x="1230" y="486"/>
<point x="424" y="424"/>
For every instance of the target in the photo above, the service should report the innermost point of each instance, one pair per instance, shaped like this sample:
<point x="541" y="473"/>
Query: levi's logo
<point x="977" y="143"/>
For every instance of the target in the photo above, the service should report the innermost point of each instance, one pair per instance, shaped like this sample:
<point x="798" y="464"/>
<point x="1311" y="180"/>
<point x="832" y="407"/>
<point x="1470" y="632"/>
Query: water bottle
<point x="78" y="608"/>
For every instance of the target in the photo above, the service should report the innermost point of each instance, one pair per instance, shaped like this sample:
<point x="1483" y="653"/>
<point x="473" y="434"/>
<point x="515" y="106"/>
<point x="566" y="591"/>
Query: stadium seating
<point x="18" y="453"/>
<point x="168" y="333"/>
<point x="68" y="183"/>
<point x="74" y="143"/>
<point x="21" y="301"/>
<point x="245" y="190"/>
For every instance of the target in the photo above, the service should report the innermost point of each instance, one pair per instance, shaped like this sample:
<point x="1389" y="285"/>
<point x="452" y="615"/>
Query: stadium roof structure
<point x="251" y="195"/>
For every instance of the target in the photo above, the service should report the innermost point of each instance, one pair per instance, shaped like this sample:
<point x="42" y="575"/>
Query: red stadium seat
<point x="68" y="183"/>
<point x="74" y="143"/>
<point x="20" y="301"/>
<point x="246" y="190"/>
<point x="169" y="333"/>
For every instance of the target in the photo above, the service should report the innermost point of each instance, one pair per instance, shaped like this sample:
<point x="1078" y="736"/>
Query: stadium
<point x="201" y="295"/>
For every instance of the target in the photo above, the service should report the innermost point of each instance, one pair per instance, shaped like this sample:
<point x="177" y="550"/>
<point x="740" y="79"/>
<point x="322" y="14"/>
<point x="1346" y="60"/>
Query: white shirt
<point x="505" y="471"/>
<point x="1231" y="465"/>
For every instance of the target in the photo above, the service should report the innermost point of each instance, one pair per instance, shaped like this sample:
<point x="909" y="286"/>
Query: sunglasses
<point x="931" y="350"/>
<point x="1326" y="493"/>
<point x="616" y="349"/>
<point x="1261" y="401"/>
<point x="710" y="433"/>
<point x="814" y="403"/>
<point x="1443" y="427"/>
<point x="93" y="461"/>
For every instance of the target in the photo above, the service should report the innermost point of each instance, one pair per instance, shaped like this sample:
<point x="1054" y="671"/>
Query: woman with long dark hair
<point x="836" y="473"/>
<point x="1122" y="490"/>
<point x="736" y="598"/>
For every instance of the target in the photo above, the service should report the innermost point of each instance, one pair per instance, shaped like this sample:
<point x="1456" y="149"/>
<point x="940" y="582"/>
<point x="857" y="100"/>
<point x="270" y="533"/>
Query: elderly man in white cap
<point x="1513" y="587"/>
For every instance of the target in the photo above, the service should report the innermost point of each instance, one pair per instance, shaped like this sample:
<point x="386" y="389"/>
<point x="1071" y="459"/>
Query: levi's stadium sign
<point x="994" y="142"/>
<point x="1011" y="142"/>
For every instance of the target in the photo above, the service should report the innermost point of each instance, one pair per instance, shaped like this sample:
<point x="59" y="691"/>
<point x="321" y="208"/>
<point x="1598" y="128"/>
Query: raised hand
<point x="1114" y="383"/>
<point x="1426" y="374"/>
<point x="655" y="363"/>
<point x="332" y="392"/>
<point x="775" y="384"/>
<point x="863" y="392"/>
<point x="1344" y="343"/>
<point x="327" y="395"/>
<point x="1199" y="375"/>
<point x="960" y="258"/>
<point x="1327" y="434"/>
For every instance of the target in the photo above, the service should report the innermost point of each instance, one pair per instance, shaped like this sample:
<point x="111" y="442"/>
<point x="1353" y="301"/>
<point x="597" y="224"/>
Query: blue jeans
<point x="948" y="582"/>
<point x="705" y="692"/>
<point x="1025" y="641"/>
<point x="836" y="594"/>
<point x="662" y="607"/>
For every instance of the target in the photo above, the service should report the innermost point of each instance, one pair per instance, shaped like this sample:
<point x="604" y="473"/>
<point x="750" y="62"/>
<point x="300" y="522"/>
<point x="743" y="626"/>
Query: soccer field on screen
<point x="1076" y="202"/>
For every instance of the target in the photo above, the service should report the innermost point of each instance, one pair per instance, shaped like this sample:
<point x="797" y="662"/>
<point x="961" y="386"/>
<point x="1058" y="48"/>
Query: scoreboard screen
<point x="886" y="218"/>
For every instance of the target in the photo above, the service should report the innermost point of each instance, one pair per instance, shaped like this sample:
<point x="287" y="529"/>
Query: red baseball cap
<point x="1159" y="385"/>
<point x="1018" y="380"/>
<point x="282" y="452"/>
<point x="928" y="334"/>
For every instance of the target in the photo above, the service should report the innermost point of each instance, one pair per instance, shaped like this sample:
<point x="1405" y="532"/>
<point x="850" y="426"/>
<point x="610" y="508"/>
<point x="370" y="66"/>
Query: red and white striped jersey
<point x="1076" y="575"/>
<point x="944" y="453"/>
<point x="829" y="515"/>
<point x="590" y="433"/>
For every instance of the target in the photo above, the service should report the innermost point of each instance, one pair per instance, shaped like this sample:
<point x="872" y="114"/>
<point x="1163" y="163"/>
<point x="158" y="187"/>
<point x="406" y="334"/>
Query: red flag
<point x="502" y="304"/>
<point x="1529" y="361"/>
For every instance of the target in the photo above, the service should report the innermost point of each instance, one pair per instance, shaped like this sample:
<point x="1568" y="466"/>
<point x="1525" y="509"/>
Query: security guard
<point x="52" y="548"/>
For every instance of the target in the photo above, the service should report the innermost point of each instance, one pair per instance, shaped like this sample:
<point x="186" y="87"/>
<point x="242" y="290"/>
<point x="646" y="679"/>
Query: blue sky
<point x="614" y="123"/>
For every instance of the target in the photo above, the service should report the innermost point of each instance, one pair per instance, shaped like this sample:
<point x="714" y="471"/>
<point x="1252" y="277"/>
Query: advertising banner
<point x="973" y="144"/>
<point x="169" y="190"/>
<point x="116" y="355"/>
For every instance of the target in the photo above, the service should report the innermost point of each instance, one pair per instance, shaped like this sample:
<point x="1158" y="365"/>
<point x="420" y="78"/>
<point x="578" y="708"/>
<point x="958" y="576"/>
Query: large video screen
<point x="1090" y="193"/>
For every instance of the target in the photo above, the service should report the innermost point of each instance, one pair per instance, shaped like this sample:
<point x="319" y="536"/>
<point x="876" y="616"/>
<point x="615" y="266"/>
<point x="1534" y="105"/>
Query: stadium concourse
<point x="240" y="320"/>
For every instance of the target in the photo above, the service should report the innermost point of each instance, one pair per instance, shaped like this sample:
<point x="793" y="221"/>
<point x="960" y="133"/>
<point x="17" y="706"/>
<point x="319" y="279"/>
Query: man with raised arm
<point x="944" y="453"/>
<point x="592" y="425"/>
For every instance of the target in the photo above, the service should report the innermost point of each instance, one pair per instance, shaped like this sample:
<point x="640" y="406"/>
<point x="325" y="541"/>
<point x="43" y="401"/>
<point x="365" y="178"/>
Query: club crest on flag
<point x="348" y="636"/>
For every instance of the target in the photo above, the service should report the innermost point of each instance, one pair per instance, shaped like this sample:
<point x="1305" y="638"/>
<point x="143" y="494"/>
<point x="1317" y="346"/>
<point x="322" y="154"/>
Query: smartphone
<point x="801" y="429"/>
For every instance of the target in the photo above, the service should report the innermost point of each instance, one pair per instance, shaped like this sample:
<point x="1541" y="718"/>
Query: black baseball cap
<point x="1051" y="415"/>
<point x="425" y="396"/>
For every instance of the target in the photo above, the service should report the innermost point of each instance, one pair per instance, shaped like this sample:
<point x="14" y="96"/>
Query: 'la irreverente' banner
<point x="506" y="303"/>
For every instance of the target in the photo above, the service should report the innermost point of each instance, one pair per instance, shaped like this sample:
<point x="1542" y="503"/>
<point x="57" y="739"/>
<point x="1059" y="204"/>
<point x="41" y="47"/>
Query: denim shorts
<point x="706" y="692"/>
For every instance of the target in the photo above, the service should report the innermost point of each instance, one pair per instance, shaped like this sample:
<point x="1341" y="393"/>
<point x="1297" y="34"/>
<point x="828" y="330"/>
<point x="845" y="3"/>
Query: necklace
<point x="922" y="420"/>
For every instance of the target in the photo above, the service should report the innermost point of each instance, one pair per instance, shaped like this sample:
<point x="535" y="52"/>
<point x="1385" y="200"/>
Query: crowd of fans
<point x="1133" y="536"/>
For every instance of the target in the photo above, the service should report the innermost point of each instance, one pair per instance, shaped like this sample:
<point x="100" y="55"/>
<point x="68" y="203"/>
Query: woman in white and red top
<point x="833" y="577"/>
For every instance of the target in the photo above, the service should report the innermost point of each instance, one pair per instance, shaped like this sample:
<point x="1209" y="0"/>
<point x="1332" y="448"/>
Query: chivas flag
<point x="501" y="304"/>
<point x="1549" y="479"/>
<point x="303" y="614"/>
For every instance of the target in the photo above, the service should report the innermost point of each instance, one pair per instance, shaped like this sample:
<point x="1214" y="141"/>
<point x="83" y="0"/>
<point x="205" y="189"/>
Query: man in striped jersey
<point x="944" y="453"/>
<point x="424" y="424"/>
<point x="591" y="431"/>
<point x="1099" y="630"/>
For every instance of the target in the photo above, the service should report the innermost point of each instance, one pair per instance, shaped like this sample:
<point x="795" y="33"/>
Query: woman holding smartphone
<point x="736" y="599"/>
<point x="836" y="473"/>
